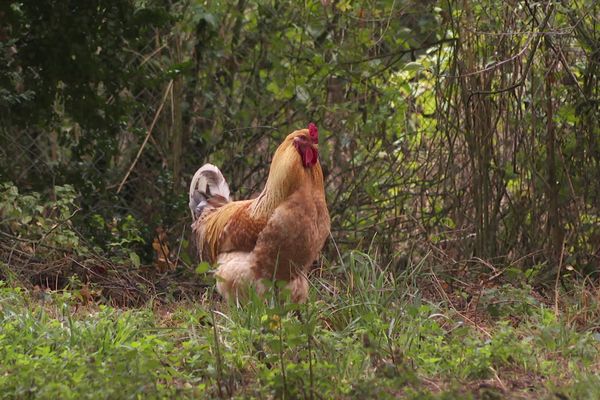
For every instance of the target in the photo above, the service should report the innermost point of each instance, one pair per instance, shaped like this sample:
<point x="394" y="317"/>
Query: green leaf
<point x="273" y="88"/>
<point x="202" y="267"/>
<point x="135" y="259"/>
<point x="413" y="66"/>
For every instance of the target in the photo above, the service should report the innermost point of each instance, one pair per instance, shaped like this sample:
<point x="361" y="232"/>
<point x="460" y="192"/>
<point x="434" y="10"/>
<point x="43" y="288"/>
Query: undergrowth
<point x="371" y="334"/>
<point x="369" y="330"/>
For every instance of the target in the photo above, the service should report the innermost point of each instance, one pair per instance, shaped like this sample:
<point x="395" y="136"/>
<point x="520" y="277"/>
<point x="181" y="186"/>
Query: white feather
<point x="235" y="275"/>
<point x="208" y="181"/>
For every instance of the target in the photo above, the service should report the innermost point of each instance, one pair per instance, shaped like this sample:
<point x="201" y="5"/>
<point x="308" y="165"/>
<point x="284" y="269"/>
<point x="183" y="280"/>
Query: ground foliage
<point x="461" y="156"/>
<point x="369" y="335"/>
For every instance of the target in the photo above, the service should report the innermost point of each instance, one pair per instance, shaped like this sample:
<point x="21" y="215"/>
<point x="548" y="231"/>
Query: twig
<point x="560" y="262"/>
<point x="520" y="82"/>
<point x="61" y="223"/>
<point x="498" y="63"/>
<point x="139" y="153"/>
<point x="558" y="51"/>
<point x="502" y="384"/>
<point x="336" y="248"/>
<point x="218" y="356"/>
<point x="400" y="52"/>
<point x="180" y="245"/>
<point x="34" y="242"/>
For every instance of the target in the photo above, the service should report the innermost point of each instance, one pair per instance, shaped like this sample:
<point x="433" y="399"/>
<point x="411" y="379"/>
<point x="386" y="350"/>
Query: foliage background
<point x="462" y="133"/>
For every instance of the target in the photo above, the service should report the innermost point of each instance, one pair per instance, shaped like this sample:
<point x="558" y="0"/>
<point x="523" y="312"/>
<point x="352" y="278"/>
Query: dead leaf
<point x="161" y="249"/>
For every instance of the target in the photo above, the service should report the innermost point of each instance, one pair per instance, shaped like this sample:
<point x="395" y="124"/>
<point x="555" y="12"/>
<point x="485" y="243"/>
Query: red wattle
<point x="310" y="157"/>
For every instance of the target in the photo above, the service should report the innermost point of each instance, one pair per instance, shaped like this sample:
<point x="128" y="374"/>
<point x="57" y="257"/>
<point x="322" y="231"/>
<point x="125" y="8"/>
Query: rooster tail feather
<point x="208" y="190"/>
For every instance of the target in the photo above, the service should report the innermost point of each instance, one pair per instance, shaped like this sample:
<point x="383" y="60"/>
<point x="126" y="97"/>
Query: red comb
<point x="313" y="132"/>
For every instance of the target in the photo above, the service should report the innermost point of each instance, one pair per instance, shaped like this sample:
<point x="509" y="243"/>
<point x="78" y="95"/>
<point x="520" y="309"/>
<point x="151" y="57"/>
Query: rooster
<point x="275" y="236"/>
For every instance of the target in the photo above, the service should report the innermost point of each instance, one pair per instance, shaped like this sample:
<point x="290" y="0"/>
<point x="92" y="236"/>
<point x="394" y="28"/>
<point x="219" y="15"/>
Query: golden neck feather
<point x="286" y="175"/>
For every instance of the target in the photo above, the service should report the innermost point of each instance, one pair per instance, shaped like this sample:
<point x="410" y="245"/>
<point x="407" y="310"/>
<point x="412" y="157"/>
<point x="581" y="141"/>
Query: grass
<point x="367" y="334"/>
